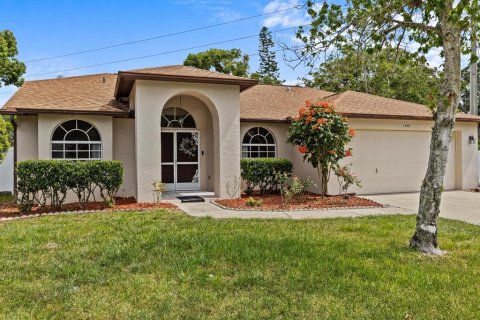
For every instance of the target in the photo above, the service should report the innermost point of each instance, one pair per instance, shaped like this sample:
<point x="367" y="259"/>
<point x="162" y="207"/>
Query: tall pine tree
<point x="268" y="72"/>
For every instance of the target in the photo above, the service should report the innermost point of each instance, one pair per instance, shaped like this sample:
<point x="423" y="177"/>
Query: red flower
<point x="332" y="152"/>
<point x="324" y="104"/>
<point x="308" y="104"/>
<point x="309" y="119"/>
<point x="348" y="153"/>
<point x="303" y="149"/>
<point x="351" y="132"/>
<point x="301" y="111"/>
<point x="321" y="121"/>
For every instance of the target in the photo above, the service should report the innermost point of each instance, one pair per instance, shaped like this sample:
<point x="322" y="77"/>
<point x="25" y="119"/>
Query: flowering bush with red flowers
<point x="322" y="136"/>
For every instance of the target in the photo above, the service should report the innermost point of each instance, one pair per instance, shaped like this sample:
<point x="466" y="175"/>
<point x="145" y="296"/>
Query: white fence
<point x="6" y="173"/>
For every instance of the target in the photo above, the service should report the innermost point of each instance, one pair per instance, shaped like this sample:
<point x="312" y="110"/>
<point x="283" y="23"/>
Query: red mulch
<point x="310" y="201"/>
<point x="11" y="210"/>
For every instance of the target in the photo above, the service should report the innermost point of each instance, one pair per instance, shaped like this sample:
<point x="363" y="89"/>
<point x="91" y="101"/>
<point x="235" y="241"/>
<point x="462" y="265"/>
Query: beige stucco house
<point x="189" y="128"/>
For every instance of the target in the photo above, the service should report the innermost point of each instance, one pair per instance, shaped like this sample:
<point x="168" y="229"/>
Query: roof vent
<point x="59" y="76"/>
<point x="103" y="79"/>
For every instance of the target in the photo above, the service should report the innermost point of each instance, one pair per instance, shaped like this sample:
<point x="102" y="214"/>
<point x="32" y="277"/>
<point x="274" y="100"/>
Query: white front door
<point x="180" y="159"/>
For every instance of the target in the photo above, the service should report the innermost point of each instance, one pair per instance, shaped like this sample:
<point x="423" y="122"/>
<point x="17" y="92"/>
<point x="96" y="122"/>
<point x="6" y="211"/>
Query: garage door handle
<point x="376" y="170"/>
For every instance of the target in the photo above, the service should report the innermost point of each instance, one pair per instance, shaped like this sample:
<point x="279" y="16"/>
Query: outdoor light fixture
<point x="471" y="140"/>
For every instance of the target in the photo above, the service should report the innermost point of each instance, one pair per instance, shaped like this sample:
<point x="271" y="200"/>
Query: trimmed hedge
<point x="263" y="173"/>
<point x="46" y="182"/>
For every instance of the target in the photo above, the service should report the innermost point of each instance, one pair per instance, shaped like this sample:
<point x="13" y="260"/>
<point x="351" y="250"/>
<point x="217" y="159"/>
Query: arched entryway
<point x="187" y="145"/>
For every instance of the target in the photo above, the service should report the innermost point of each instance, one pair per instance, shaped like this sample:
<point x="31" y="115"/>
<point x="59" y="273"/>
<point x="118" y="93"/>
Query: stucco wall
<point x="223" y="102"/>
<point x="6" y="172"/>
<point x="465" y="154"/>
<point x="124" y="150"/>
<point x="27" y="138"/>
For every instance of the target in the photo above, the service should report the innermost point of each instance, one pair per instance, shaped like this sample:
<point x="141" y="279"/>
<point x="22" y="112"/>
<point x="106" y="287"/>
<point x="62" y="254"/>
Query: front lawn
<point x="168" y="265"/>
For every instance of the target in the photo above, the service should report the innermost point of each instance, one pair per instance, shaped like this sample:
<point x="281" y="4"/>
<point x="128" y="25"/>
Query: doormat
<point x="191" y="199"/>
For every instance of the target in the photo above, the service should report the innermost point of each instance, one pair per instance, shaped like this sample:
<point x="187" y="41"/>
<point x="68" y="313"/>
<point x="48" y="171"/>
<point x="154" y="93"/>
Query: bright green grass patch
<point x="5" y="198"/>
<point x="168" y="265"/>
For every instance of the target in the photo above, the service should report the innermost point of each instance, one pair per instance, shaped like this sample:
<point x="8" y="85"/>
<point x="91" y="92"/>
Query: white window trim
<point x="64" y="142"/>
<point x="249" y="145"/>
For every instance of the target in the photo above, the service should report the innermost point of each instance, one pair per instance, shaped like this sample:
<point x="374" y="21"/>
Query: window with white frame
<point x="76" y="140"/>
<point x="258" y="142"/>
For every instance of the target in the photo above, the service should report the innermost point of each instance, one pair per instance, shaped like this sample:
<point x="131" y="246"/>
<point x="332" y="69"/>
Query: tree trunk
<point x="323" y="174"/>
<point x="425" y="237"/>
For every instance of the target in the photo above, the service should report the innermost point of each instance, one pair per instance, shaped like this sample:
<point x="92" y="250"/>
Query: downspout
<point x="13" y="121"/>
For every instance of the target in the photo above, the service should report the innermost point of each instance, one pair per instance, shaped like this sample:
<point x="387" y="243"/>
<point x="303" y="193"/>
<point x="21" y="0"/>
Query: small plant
<point x="252" y="202"/>
<point x="346" y="178"/>
<point x="233" y="187"/>
<point x="159" y="188"/>
<point x="292" y="187"/>
<point x="109" y="202"/>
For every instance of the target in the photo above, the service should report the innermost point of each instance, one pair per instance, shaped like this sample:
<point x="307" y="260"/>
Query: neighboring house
<point x="6" y="173"/>
<point x="190" y="127"/>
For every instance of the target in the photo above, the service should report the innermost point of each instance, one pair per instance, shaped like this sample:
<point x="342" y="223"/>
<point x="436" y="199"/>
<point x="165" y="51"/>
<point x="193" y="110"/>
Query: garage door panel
<point x="395" y="161"/>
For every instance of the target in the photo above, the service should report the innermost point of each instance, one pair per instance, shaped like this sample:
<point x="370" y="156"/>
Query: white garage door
<point x="395" y="161"/>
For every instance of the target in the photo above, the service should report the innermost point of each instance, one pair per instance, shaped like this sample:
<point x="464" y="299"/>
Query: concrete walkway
<point x="459" y="205"/>
<point x="207" y="209"/>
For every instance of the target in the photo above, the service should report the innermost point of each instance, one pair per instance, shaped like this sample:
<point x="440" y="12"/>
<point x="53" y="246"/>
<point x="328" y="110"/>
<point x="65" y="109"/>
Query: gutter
<point x="13" y="121"/>
<point x="363" y="116"/>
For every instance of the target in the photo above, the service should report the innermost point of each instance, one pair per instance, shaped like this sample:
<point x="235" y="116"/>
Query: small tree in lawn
<point x="322" y="136"/>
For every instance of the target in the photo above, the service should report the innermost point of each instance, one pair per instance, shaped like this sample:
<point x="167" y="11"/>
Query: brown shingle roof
<point x="94" y="94"/>
<point x="185" y="71"/>
<point x="276" y="102"/>
<point x="363" y="105"/>
<point x="82" y="94"/>
<point x="177" y="73"/>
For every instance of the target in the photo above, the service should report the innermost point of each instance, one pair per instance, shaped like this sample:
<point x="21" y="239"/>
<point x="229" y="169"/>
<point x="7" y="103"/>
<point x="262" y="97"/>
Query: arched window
<point x="176" y="117"/>
<point x="76" y="140"/>
<point x="258" y="142"/>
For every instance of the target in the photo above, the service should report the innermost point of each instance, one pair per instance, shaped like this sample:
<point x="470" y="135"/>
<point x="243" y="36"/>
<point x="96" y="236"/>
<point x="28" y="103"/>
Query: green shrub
<point x="45" y="182"/>
<point x="252" y="202"/>
<point x="108" y="176"/>
<point x="263" y="173"/>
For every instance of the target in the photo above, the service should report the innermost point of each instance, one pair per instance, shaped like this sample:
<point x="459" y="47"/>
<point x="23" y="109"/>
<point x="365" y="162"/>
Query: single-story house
<point x="189" y="128"/>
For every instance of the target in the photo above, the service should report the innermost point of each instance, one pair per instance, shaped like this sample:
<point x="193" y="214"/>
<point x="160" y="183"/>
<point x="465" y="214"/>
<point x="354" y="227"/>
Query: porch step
<point x="189" y="199"/>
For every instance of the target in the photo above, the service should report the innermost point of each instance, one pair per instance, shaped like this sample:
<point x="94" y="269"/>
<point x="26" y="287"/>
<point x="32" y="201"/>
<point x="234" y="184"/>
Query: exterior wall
<point x="27" y="138"/>
<point x="466" y="156"/>
<point x="48" y="122"/>
<point x="223" y="102"/>
<point x="6" y="172"/>
<point x="124" y="150"/>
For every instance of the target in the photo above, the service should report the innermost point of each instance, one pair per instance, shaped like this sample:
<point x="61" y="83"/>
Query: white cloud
<point x="286" y="18"/>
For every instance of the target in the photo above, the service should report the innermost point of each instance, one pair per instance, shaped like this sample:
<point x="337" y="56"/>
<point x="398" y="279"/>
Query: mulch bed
<point x="310" y="201"/>
<point x="8" y="210"/>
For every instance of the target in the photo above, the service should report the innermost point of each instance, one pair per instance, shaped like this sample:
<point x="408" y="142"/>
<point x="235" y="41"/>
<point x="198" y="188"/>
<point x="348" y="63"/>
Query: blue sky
<point x="49" y="28"/>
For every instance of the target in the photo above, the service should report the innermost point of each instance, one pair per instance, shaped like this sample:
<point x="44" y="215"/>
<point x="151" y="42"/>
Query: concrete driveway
<point x="459" y="205"/>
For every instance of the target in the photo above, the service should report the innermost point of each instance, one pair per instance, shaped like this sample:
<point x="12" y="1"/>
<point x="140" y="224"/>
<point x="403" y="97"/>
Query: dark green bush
<point x="45" y="182"/>
<point x="108" y="176"/>
<point x="263" y="173"/>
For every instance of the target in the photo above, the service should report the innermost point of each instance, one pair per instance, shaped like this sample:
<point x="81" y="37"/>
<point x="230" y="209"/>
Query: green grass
<point x="168" y="265"/>
<point x="4" y="198"/>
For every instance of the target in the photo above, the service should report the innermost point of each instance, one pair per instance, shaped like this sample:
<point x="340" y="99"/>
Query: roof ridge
<point x="73" y="77"/>
<point x="382" y="97"/>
